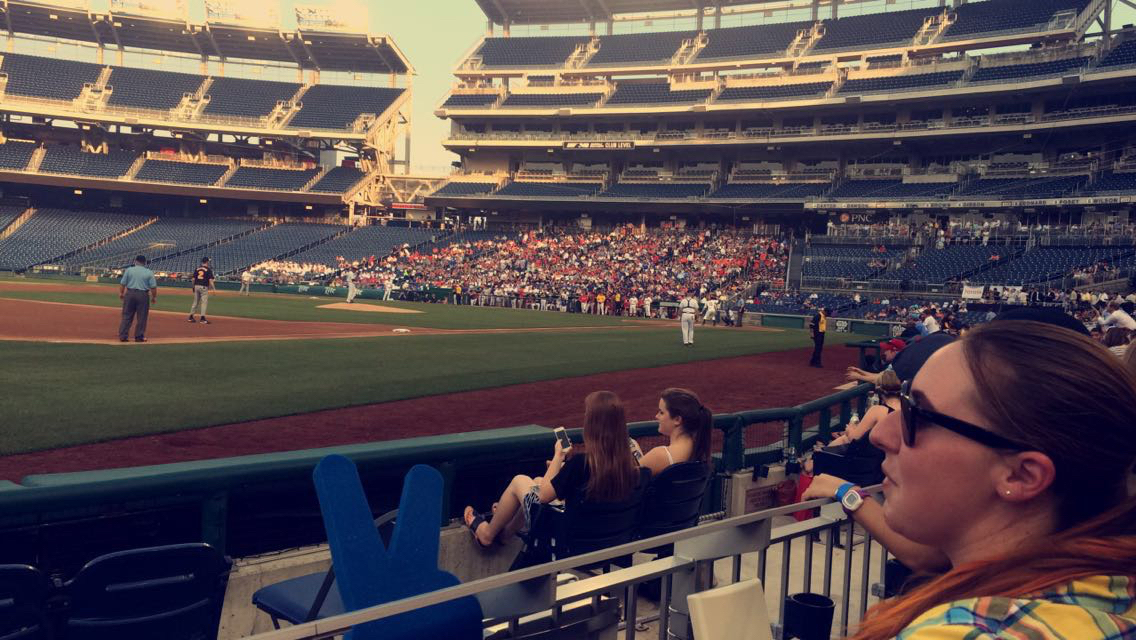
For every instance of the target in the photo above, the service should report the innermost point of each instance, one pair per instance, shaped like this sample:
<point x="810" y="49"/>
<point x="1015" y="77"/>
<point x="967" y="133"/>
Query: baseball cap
<point x="140" y="259"/>
<point x="895" y="344"/>
<point x="1043" y="314"/>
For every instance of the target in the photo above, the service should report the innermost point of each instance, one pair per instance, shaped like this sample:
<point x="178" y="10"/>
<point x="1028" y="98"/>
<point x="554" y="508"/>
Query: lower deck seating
<point x="271" y="178"/>
<point x="15" y="154"/>
<point x="550" y="189"/>
<point x="465" y="188"/>
<point x="655" y="190"/>
<point x="772" y="191"/>
<point x="162" y="238"/>
<point x="254" y="248"/>
<point x="364" y="242"/>
<point x="52" y="233"/>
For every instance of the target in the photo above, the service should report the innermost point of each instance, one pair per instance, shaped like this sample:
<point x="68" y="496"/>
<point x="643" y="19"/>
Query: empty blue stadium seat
<point x="1122" y="54"/>
<point x="775" y="92"/>
<point x="465" y="188"/>
<point x="772" y="191"/>
<point x="162" y="238"/>
<point x="47" y="77"/>
<point x="1026" y="71"/>
<point x="180" y="172"/>
<point x="253" y="248"/>
<point x="150" y="89"/>
<point x="15" y="154"/>
<point x="270" y="178"/>
<point x="363" y="242"/>
<point x="552" y="100"/>
<point x="892" y="189"/>
<point x="549" y="189"/>
<point x="337" y="107"/>
<point x="1044" y="263"/>
<point x="654" y="93"/>
<point x="873" y="29"/>
<point x="8" y="213"/>
<point x="528" y="51"/>
<point x="52" y="233"/>
<point x="900" y="83"/>
<point x="459" y="100"/>
<point x="73" y="161"/>
<point x="655" y="190"/>
<point x="1024" y="188"/>
<point x="639" y="47"/>
<point x="992" y="16"/>
<point x="941" y="265"/>
<point x="750" y="41"/>
<point x="1113" y="182"/>
<point x="247" y="98"/>
<point x="337" y="180"/>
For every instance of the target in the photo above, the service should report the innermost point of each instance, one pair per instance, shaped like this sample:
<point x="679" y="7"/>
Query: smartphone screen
<point x="562" y="436"/>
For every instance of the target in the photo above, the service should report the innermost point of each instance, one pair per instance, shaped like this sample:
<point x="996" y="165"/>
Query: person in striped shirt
<point x="1012" y="455"/>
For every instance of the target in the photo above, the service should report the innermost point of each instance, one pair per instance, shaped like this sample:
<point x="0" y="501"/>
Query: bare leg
<point x="507" y="514"/>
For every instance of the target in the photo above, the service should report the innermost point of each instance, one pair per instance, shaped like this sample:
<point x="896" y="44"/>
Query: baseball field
<point x="276" y="372"/>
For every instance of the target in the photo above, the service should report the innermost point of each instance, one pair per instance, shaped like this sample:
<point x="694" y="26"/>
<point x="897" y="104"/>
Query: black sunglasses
<point x="912" y="414"/>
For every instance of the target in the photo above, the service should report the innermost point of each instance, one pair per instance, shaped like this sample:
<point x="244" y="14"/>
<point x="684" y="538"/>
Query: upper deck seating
<point x="873" y="29"/>
<point x="71" y="160"/>
<point x="329" y="106"/>
<point x="465" y="188"/>
<point x="655" y="190"/>
<point x="907" y="82"/>
<point x="994" y="16"/>
<point x="550" y="189"/>
<point x="180" y="172"/>
<point x="1122" y="54"/>
<point x="149" y="88"/>
<point x="15" y="154"/>
<point x="654" y="93"/>
<point x="639" y="47"/>
<point x="247" y="98"/>
<point x="751" y="41"/>
<point x="47" y="77"/>
<point x="271" y="178"/>
<point x="470" y="100"/>
<point x="774" y="92"/>
<point x="552" y="99"/>
<point x="528" y="51"/>
<point x="1032" y="70"/>
<point x="772" y="191"/>
<point x="337" y="180"/>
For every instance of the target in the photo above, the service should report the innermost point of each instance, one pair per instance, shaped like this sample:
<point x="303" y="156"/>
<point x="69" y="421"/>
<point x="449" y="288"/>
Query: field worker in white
<point x="352" y="290"/>
<point x="387" y="286"/>
<point x="246" y="280"/>
<point x="688" y="309"/>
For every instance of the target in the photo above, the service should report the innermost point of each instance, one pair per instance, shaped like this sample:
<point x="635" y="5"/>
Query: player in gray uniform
<point x="203" y="283"/>
<point x="352" y="290"/>
<point x="688" y="310"/>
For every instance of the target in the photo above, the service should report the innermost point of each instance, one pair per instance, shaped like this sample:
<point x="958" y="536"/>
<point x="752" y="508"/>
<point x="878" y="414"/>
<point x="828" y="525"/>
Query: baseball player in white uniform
<point x="688" y="310"/>
<point x="352" y="290"/>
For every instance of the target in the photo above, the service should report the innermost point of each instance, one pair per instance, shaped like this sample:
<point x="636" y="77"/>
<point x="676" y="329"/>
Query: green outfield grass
<point x="305" y="308"/>
<point x="58" y="395"/>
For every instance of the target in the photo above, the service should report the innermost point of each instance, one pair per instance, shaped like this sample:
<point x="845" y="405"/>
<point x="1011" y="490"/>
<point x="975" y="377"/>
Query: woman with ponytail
<point x="686" y="425"/>
<point x="1011" y="455"/>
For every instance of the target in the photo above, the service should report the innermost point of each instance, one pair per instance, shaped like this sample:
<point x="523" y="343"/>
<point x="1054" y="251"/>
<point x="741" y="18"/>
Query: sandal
<point x="478" y="520"/>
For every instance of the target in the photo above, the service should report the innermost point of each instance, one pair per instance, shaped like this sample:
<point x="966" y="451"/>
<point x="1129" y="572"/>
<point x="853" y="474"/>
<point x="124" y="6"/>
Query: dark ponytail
<point x="697" y="420"/>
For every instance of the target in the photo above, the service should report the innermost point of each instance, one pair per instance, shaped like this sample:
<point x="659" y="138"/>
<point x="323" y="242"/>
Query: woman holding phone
<point x="605" y="472"/>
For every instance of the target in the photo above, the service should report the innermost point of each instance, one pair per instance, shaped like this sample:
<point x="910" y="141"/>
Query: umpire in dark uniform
<point x="138" y="289"/>
<point x="818" y="326"/>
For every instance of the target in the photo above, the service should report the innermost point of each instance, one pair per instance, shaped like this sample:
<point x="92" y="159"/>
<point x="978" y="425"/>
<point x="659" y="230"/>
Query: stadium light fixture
<point x="308" y="207"/>
<point x="203" y="201"/>
<point x="78" y="192"/>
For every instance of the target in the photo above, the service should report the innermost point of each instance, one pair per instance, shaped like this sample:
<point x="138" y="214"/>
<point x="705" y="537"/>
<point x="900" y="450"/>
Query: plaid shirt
<point x="1096" y="608"/>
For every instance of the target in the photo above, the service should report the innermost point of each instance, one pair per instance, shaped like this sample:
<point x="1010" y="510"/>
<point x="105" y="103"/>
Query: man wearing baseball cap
<point x="889" y="349"/>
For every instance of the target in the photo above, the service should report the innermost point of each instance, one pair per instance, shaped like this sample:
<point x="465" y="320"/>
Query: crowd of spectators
<point x="288" y="272"/>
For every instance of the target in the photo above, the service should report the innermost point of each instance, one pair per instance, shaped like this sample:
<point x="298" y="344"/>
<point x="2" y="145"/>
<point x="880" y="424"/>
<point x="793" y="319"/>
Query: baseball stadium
<point x="272" y="371"/>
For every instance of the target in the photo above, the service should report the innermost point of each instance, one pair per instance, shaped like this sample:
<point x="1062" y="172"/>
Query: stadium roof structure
<point x="517" y="12"/>
<point x="314" y="50"/>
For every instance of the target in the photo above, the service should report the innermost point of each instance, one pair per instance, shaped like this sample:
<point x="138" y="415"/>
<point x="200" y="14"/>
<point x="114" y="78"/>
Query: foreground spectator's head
<point x="611" y="465"/>
<point x="889" y="349"/>
<point x="681" y="412"/>
<point x="1116" y="337"/>
<point x="1011" y="454"/>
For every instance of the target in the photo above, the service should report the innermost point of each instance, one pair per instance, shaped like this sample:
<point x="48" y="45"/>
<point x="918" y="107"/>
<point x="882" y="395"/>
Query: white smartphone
<point x="562" y="435"/>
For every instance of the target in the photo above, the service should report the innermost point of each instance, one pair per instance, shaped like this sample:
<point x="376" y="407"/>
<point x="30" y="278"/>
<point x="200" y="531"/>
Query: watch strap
<point x="843" y="489"/>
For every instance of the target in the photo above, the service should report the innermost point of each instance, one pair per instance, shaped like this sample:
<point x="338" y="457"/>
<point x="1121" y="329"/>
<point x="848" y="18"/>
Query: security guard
<point x="818" y="326"/>
<point x="138" y="289"/>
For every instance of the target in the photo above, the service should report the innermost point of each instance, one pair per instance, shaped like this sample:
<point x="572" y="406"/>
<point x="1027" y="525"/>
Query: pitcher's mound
<point x="373" y="308"/>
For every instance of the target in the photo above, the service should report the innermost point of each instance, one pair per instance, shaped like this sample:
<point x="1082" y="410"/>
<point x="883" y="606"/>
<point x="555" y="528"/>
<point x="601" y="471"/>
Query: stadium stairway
<point x="796" y="261"/>
<point x="16" y="223"/>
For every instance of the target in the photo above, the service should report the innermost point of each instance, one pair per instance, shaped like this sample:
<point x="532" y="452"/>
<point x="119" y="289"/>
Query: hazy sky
<point x="436" y="34"/>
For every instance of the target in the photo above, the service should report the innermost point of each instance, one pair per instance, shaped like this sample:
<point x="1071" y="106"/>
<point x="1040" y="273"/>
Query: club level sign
<point x="609" y="144"/>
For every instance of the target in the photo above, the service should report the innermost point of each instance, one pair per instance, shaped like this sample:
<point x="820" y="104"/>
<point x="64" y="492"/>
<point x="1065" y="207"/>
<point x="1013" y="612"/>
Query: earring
<point x="1007" y="492"/>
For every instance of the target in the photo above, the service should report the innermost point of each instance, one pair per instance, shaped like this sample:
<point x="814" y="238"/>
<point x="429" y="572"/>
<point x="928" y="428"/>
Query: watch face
<point x="852" y="501"/>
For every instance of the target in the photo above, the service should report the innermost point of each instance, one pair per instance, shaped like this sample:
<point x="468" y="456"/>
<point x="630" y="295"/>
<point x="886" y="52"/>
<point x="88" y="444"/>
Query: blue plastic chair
<point x="172" y="592"/>
<point x="23" y="603"/>
<point x="368" y="574"/>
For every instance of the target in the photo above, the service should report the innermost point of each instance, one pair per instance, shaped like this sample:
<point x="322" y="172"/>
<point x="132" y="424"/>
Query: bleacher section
<point x="271" y="178"/>
<point x="162" y="238"/>
<point x="51" y="233"/>
<point x="1115" y="182"/>
<point x="528" y="52"/>
<point x="8" y="214"/>
<point x="1123" y="54"/>
<point x="751" y="41"/>
<point x="772" y="191"/>
<point x="149" y="88"/>
<point x="337" y="180"/>
<point x="73" y="161"/>
<point x="253" y="248"/>
<point x="552" y="99"/>
<point x="47" y="77"/>
<point x="873" y="30"/>
<point x="180" y="172"/>
<point x="1025" y="188"/>
<point x="15" y="154"/>
<point x="336" y="107"/>
<point x="655" y="190"/>
<point x="465" y="188"/>
<point x="1044" y="263"/>
<point x="364" y="242"/>
<point x="654" y="93"/>
<point x="549" y="189"/>
<point x="999" y="16"/>
<point x="458" y="101"/>
<point x="900" y="83"/>
<point x="842" y="262"/>
<point x="247" y="98"/>
<point x="639" y="47"/>
<point x="774" y="92"/>
<point x="941" y="265"/>
<point x="892" y="189"/>
<point x="1033" y="70"/>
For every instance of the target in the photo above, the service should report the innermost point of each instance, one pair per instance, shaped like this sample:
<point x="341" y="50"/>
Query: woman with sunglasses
<point x="1010" y="455"/>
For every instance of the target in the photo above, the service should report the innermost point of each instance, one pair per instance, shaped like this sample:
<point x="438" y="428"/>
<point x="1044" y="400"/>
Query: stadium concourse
<point x="888" y="176"/>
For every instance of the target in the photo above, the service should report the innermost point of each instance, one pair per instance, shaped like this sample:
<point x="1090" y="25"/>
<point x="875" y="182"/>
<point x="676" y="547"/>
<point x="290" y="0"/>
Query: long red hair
<point x="1058" y="391"/>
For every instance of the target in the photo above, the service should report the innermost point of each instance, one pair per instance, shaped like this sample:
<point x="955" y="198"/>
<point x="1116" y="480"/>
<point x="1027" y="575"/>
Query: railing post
<point x="793" y="437"/>
<point x="214" y="517"/>
<point x="824" y="426"/>
<point x="733" y="449"/>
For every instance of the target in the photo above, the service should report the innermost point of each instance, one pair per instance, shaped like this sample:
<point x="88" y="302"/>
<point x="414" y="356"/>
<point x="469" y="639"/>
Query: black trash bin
<point x="808" y="616"/>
